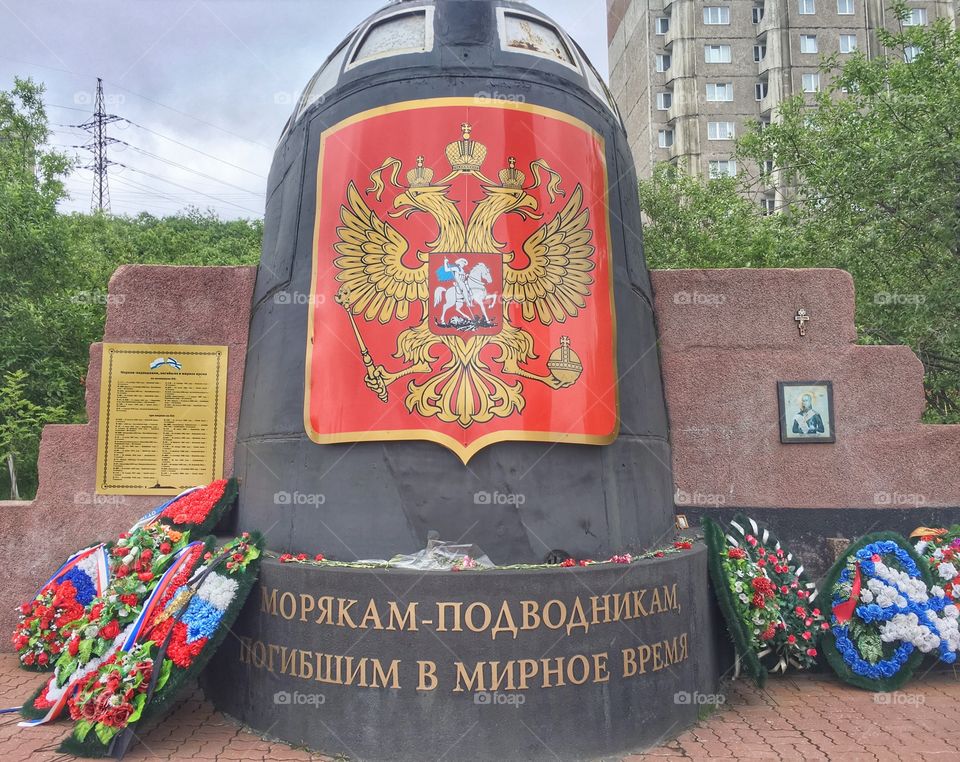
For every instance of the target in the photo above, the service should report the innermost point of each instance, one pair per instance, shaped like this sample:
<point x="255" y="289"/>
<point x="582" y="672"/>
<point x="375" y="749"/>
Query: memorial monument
<point x="452" y="331"/>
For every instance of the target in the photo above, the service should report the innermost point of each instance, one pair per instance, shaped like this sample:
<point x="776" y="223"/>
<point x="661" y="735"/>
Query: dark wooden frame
<point x="784" y="438"/>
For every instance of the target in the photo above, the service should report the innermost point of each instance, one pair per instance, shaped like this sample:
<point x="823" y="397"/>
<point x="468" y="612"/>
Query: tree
<point x="696" y="223"/>
<point x="20" y="424"/>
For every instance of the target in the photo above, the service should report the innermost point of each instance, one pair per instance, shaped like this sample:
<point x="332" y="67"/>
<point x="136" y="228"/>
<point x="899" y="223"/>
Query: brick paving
<point x="797" y="718"/>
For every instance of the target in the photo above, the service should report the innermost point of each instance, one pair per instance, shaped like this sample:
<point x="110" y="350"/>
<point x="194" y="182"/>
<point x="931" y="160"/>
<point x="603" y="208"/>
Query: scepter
<point x="343" y="299"/>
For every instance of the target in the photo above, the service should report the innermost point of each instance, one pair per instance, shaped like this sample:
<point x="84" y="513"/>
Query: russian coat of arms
<point x="451" y="283"/>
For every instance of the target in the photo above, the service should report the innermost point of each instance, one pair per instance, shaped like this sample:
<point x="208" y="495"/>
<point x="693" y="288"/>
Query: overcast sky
<point x="218" y="76"/>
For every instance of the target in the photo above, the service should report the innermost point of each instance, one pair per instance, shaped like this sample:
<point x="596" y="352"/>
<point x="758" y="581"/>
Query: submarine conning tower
<point x="452" y="325"/>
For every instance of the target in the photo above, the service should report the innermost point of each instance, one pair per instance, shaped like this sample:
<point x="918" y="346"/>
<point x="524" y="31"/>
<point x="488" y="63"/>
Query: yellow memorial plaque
<point x="161" y="418"/>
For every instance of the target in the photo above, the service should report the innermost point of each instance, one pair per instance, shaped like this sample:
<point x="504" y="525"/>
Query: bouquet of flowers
<point x="200" y="510"/>
<point x="40" y="635"/>
<point x="146" y="563"/>
<point x="115" y="695"/>
<point x="886" y="614"/>
<point x="180" y="634"/>
<point x="940" y="548"/>
<point x="62" y="600"/>
<point x="765" y="598"/>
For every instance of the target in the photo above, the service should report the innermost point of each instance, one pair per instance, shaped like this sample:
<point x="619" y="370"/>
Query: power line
<point x="192" y="190"/>
<point x="186" y="168"/>
<point x="202" y="153"/>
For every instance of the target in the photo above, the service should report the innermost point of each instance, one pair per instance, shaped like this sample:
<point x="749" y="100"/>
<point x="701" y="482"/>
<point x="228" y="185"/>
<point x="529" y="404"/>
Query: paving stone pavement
<point x="796" y="718"/>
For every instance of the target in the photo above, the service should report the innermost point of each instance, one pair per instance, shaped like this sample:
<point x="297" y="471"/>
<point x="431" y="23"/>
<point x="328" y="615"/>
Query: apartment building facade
<point x="689" y="75"/>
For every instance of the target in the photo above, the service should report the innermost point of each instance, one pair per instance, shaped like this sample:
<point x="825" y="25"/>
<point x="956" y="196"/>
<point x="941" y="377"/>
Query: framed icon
<point x="806" y="412"/>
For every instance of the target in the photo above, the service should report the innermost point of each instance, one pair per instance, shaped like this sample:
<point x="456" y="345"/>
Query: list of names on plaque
<point x="161" y="417"/>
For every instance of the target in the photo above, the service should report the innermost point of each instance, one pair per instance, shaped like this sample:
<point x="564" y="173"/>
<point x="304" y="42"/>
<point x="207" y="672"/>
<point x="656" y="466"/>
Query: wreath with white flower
<point x="886" y="614"/>
<point x="765" y="598"/>
<point x="940" y="548"/>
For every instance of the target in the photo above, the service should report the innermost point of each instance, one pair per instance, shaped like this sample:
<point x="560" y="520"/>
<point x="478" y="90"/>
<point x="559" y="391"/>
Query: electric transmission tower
<point x="97" y="127"/>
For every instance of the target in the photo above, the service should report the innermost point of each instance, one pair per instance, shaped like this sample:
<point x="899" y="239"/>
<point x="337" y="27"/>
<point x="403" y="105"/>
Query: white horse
<point x="473" y="291"/>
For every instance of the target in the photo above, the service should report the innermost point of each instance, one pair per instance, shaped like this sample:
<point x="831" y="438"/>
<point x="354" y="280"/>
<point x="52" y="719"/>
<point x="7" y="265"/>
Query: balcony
<point x="773" y="11"/>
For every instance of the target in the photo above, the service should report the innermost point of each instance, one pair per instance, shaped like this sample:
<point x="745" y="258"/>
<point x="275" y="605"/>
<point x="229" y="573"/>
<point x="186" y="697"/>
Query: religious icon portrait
<point x="806" y="411"/>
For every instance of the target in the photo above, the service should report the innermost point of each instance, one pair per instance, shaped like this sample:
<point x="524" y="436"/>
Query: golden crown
<point x="466" y="155"/>
<point x="511" y="177"/>
<point x="420" y="176"/>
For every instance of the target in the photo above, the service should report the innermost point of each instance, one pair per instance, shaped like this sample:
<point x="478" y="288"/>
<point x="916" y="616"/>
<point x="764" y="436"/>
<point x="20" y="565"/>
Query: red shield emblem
<point x="462" y="283"/>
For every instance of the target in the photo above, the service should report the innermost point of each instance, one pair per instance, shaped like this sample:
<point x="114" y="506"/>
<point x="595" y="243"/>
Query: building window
<point x="845" y="7"/>
<point x="664" y="100"/>
<point x="717" y="53"/>
<point x="662" y="24"/>
<point x="663" y="62"/>
<point x="916" y="17"/>
<point x="811" y="83"/>
<point x="910" y="53"/>
<point x="665" y="138"/>
<point x="716" y="14"/>
<point x="769" y="205"/>
<point x="719" y="91"/>
<point x="807" y="7"/>
<point x="726" y="168"/>
<point x="721" y="130"/>
<point x="757" y="14"/>
<point x="768" y="166"/>
<point x="760" y="90"/>
<point x="759" y="52"/>
<point x="848" y="43"/>
<point x="808" y="43"/>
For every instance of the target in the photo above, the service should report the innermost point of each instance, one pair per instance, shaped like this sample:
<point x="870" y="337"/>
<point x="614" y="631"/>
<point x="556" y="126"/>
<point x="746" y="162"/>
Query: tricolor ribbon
<point x="150" y="605"/>
<point x="843" y="611"/>
<point x="179" y="560"/>
<point x="103" y="568"/>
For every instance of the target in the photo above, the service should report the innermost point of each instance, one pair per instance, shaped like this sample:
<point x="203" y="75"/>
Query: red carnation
<point x="807" y="635"/>
<point x="24" y="608"/>
<point x="28" y="659"/>
<point x="758" y="600"/>
<point x="130" y="599"/>
<point x="73" y="645"/>
<point x="791" y="639"/>
<point x="567" y="562"/>
<point x="42" y="659"/>
<point x="736" y="553"/>
<point x="146" y="555"/>
<point x="110" y="630"/>
<point x="145" y="576"/>
<point x="165" y="547"/>
<point x="123" y="570"/>
<point x="320" y="557"/>
<point x="811" y="652"/>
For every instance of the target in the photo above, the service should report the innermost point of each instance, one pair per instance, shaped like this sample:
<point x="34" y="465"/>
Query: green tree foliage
<point x="54" y="268"/>
<point x="20" y="424"/>
<point x="873" y="170"/>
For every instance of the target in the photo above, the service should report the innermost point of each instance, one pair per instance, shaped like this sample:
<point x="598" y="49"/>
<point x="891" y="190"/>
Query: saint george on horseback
<point x="468" y="290"/>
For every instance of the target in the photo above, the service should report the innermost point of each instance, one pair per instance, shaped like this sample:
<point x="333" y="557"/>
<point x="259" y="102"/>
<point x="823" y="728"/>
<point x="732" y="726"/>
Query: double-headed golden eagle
<point x="384" y="280"/>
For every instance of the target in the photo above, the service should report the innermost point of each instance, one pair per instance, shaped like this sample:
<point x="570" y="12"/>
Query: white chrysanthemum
<point x="938" y="553"/>
<point x="866" y="596"/>
<point x="936" y="591"/>
<point x="947" y="570"/>
<point x="921" y="546"/>
<point x="89" y="565"/>
<point x="218" y="590"/>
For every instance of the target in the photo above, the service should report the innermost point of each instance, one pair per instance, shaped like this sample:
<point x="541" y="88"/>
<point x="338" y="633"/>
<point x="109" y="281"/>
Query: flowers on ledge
<point x="466" y="562"/>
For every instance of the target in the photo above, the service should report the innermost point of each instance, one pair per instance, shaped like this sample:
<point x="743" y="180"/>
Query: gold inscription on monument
<point x="161" y="418"/>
